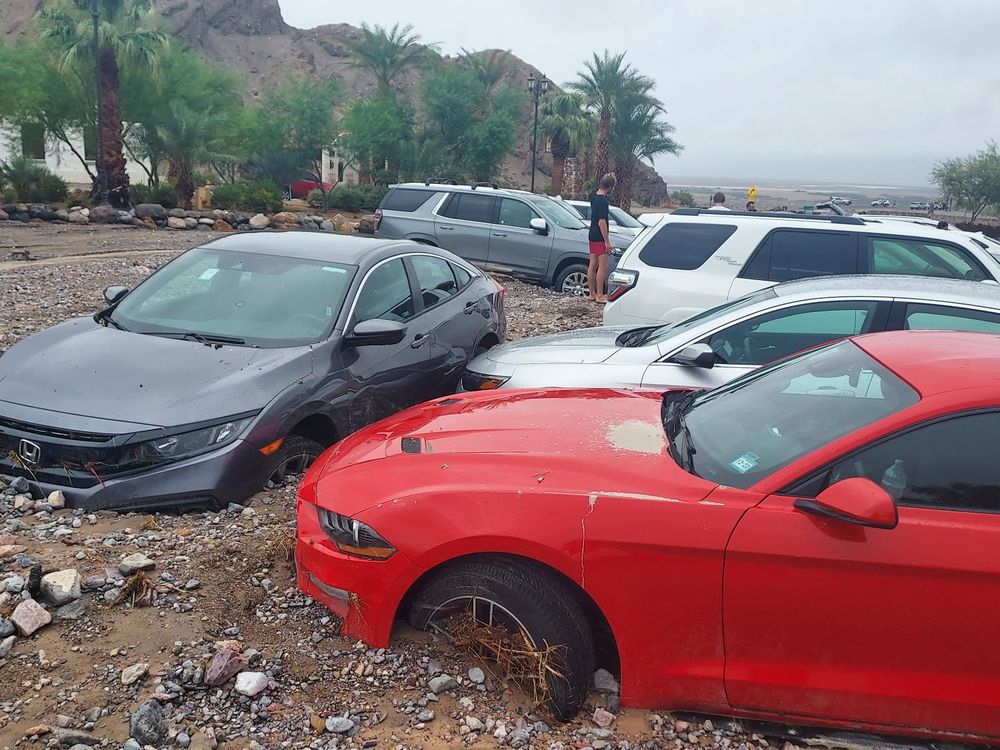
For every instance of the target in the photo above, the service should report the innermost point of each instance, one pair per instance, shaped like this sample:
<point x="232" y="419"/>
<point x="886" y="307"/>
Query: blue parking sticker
<point x="745" y="463"/>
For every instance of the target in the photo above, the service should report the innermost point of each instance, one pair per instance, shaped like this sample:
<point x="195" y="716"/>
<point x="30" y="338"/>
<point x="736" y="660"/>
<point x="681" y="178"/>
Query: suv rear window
<point x="405" y="200"/>
<point x="684" y="246"/>
<point x="788" y="254"/>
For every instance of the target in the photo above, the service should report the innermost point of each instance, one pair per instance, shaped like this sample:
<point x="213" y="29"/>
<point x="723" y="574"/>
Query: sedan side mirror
<point x="856" y="500"/>
<point x="114" y="293"/>
<point x="539" y="225"/>
<point x="695" y="355"/>
<point x="376" y="332"/>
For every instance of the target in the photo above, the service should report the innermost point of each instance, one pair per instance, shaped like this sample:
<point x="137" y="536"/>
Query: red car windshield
<point x="740" y="433"/>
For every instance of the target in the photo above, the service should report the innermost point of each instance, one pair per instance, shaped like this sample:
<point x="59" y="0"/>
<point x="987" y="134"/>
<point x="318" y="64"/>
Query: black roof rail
<point x="440" y="181"/>
<point x="493" y="185"/>
<point x="834" y="219"/>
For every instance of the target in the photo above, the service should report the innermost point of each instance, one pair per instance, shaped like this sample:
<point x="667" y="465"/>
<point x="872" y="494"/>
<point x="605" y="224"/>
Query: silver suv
<point x="530" y="236"/>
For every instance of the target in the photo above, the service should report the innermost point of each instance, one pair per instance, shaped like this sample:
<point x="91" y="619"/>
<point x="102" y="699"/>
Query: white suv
<point x="694" y="259"/>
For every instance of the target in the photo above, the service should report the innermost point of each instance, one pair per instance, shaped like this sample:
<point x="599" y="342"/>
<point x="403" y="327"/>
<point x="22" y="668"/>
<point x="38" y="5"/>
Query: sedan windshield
<point x="660" y="333"/>
<point x="557" y="213"/>
<point x="624" y="219"/>
<point x="234" y="297"/>
<point x="740" y="433"/>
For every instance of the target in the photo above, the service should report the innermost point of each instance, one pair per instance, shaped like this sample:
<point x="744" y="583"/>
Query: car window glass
<point x="462" y="276"/>
<point x="470" y="207"/>
<point x="684" y="245"/>
<point x="778" y="334"/>
<point x="516" y="214"/>
<point x="801" y="254"/>
<point x="435" y="278"/>
<point x="386" y="294"/>
<point x="942" y="318"/>
<point x="400" y="199"/>
<point x="623" y="218"/>
<point x="584" y="211"/>
<point x="949" y="465"/>
<point x="920" y="258"/>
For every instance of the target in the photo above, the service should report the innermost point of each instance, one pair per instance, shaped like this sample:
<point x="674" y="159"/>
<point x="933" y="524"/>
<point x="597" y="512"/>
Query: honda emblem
<point x="29" y="451"/>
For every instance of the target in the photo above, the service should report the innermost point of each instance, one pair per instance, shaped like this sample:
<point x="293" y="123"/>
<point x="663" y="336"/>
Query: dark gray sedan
<point x="236" y="364"/>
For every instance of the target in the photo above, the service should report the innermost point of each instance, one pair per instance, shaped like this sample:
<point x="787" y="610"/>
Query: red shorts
<point x="598" y="248"/>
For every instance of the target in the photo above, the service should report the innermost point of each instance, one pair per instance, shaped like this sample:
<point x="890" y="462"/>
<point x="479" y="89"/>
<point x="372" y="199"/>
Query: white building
<point x="57" y="156"/>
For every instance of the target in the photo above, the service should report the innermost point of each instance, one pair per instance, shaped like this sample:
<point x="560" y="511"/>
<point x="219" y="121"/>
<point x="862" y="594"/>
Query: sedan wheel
<point x="295" y="455"/>
<point x="519" y="617"/>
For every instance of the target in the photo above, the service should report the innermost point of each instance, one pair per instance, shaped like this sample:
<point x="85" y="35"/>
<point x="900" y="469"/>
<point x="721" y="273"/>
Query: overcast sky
<point x="859" y="91"/>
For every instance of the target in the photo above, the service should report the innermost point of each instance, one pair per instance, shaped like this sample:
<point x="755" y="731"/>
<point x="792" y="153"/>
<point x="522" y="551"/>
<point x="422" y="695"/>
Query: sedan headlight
<point x="475" y="381"/>
<point x="353" y="537"/>
<point x="180" y="445"/>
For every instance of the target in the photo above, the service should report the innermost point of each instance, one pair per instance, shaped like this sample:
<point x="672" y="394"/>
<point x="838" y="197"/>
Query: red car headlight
<point x="353" y="537"/>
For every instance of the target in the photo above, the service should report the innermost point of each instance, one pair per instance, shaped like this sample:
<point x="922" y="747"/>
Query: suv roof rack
<point x="440" y="181"/>
<point x="493" y="185"/>
<point x="834" y="219"/>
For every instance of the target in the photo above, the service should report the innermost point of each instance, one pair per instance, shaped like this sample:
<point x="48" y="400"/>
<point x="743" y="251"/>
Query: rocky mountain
<point x="251" y="37"/>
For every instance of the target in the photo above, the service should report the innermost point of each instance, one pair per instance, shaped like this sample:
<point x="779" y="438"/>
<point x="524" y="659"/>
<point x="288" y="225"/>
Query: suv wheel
<point x="572" y="280"/>
<point x="498" y="605"/>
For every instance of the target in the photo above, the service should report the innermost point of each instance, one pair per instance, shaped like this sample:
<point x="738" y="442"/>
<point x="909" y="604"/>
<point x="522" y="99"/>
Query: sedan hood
<point x="585" y="346"/>
<point x="80" y="371"/>
<point x="562" y="441"/>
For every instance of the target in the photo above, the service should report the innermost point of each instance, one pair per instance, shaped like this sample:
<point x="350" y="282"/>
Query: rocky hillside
<point x="251" y="37"/>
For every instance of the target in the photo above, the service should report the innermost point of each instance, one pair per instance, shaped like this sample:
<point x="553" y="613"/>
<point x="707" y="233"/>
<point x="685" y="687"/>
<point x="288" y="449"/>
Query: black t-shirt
<point x="598" y="211"/>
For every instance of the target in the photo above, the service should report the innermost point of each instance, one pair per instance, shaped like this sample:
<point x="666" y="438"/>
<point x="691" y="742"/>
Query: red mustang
<point x="817" y="542"/>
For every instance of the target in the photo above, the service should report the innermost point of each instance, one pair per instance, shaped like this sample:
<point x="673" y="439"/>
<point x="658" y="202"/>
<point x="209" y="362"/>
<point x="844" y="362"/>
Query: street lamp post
<point x="537" y="90"/>
<point x="102" y="173"/>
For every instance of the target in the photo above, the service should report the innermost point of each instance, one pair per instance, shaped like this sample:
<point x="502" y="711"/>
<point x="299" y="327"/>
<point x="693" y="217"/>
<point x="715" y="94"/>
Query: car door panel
<point x="463" y="226"/>
<point x="515" y="247"/>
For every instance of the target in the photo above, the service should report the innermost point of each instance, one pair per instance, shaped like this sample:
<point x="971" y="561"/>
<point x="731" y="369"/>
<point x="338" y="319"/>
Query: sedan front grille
<point x="64" y="457"/>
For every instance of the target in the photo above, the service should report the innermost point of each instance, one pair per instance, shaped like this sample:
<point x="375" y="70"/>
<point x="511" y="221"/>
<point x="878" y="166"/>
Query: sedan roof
<point x="938" y="361"/>
<point x="338" y="248"/>
<point x="972" y="293"/>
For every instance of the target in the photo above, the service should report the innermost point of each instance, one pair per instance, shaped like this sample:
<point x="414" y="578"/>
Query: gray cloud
<point x="871" y="91"/>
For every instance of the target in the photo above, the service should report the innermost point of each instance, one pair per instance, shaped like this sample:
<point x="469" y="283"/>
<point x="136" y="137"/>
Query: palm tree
<point x="126" y="38"/>
<point x="640" y="132"/>
<point x="606" y="83"/>
<point x="566" y="122"/>
<point x="387" y="52"/>
<point x="188" y="138"/>
<point x="490" y="66"/>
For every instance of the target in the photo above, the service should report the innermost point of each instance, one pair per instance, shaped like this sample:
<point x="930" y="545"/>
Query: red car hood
<point x="553" y="440"/>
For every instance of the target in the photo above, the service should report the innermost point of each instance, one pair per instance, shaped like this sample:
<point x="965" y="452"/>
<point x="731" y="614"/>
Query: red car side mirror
<point x="856" y="500"/>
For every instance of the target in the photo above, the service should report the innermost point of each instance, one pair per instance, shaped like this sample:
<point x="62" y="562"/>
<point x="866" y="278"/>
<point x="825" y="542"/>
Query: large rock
<point x="260" y="222"/>
<point x="4" y="216"/>
<point x="6" y="645"/>
<point x="78" y="217"/>
<point x="146" y="726"/>
<point x="224" y="665"/>
<point x="30" y="616"/>
<point x="61" y="587"/>
<point x="175" y="222"/>
<point x="190" y="222"/>
<point x="6" y="627"/>
<point x="132" y="564"/>
<point x="339" y="725"/>
<point x="178" y="213"/>
<point x="104" y="214"/>
<point x="131" y="675"/>
<point x="251" y="683"/>
<point x="41" y="211"/>
<point x="442" y="683"/>
<point x="367" y="224"/>
<point x="9" y="550"/>
<point x="150" y="211"/>
<point x="284" y="220"/>
<point x="221" y="225"/>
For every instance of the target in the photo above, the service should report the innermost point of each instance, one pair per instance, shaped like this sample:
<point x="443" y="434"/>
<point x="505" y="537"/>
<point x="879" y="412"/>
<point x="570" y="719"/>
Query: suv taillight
<point x="620" y="282"/>
<point x="378" y="218"/>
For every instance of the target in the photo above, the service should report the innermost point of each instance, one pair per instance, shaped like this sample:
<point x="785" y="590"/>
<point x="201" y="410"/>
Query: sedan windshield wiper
<point x="105" y="317"/>
<point x="678" y="435"/>
<point x="637" y="336"/>
<point x="208" y="339"/>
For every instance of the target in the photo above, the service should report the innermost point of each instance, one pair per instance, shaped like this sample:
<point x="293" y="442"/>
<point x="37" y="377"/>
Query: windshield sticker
<point x="331" y="269"/>
<point x="208" y="273"/>
<point x="745" y="463"/>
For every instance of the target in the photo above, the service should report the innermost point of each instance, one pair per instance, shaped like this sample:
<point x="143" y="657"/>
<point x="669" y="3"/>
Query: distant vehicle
<point x="534" y="237"/>
<point x="920" y="206"/>
<point x="694" y="259"/>
<point x="941" y="206"/>
<point x="619" y="221"/>
<point x="302" y="188"/>
<point x="236" y="364"/>
<point x="881" y="203"/>
<point x="840" y="201"/>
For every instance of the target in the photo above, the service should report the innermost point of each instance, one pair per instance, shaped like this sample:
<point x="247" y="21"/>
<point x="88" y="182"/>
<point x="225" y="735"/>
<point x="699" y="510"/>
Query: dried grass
<point x="139" y="591"/>
<point x="508" y="655"/>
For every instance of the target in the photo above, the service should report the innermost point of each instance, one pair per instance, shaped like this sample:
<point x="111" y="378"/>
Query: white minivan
<point x="693" y="259"/>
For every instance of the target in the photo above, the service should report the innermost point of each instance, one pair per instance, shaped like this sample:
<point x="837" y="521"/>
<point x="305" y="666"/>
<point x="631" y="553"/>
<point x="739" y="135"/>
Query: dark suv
<point x="530" y="236"/>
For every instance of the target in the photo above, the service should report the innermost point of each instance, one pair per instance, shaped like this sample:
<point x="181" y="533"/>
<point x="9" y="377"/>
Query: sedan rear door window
<point x="435" y="277"/>
<point x="943" y="318"/>
<point x="385" y="294"/>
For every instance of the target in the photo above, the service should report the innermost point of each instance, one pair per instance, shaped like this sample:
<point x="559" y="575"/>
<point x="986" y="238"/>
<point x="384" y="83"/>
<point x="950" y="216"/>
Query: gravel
<point x="222" y="597"/>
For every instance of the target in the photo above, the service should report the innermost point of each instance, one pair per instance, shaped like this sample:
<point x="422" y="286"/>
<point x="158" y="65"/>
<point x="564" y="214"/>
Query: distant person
<point x="719" y="202"/>
<point x="751" y="206"/>
<point x="600" y="239"/>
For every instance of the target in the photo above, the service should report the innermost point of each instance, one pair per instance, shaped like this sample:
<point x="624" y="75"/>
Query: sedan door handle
<point x="418" y="340"/>
<point x="471" y="307"/>
<point x="499" y="234"/>
<point x="450" y="229"/>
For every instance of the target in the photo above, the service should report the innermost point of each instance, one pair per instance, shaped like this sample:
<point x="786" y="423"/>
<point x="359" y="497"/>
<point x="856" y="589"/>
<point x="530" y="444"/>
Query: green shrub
<point x="316" y="199"/>
<point x="357" y="198"/>
<point x="262" y="195"/>
<point x="164" y="194"/>
<point x="79" y="198"/>
<point x="25" y="177"/>
<point x="9" y="196"/>
<point x="139" y="194"/>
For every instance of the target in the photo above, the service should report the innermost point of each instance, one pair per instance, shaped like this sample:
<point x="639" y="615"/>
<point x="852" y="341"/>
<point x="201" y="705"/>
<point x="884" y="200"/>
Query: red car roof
<point x="937" y="361"/>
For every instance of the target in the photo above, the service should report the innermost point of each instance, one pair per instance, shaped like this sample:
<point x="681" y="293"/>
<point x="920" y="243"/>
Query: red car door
<point x="876" y="627"/>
